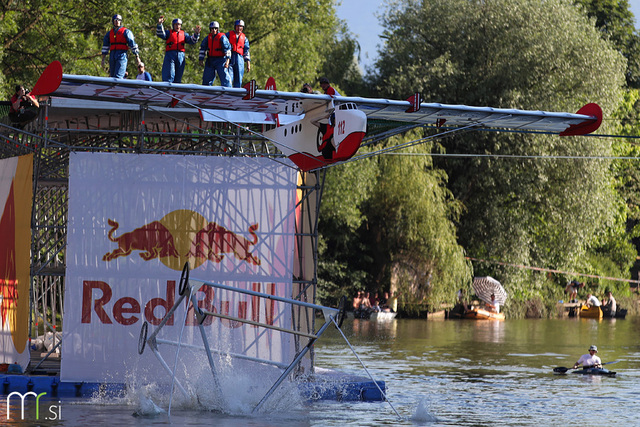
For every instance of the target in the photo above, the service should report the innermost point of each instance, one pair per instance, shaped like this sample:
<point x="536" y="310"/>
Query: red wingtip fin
<point x="271" y="84"/>
<point x="415" y="101"/>
<point x="50" y="80"/>
<point x="251" y="90"/>
<point x="587" y="126"/>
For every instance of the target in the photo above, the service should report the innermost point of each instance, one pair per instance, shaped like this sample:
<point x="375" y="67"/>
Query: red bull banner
<point x="135" y="220"/>
<point x="16" y="191"/>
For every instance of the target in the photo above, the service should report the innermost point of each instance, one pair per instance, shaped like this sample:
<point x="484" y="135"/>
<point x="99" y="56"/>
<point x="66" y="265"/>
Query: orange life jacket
<point x="176" y="41"/>
<point x="117" y="39"/>
<point x="237" y="42"/>
<point x="215" y="45"/>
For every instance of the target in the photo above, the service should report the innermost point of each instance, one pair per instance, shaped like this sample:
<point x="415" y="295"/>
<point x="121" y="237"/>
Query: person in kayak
<point x="589" y="360"/>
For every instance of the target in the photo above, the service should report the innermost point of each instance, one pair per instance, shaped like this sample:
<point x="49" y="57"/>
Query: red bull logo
<point x="214" y="240"/>
<point x="182" y="236"/>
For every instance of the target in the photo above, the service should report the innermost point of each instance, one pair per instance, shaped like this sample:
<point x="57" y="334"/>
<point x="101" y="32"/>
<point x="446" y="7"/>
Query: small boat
<point x="595" y="371"/>
<point x="482" y="314"/>
<point x="590" y="312"/>
<point x="621" y="313"/>
<point x="587" y="371"/>
<point x="372" y="315"/>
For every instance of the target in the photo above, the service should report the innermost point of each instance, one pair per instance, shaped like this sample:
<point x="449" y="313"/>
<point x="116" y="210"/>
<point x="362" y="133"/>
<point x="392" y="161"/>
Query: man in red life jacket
<point x="327" y="88"/>
<point x="239" y="53"/>
<point x="173" y="65"/>
<point x="217" y="49"/>
<point x="116" y="43"/>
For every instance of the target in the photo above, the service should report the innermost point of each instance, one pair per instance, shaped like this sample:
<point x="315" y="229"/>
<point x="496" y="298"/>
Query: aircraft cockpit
<point x="348" y="106"/>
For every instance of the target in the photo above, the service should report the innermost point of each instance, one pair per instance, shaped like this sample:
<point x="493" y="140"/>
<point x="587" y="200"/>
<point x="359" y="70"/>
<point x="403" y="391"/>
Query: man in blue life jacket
<point x="116" y="43"/>
<point x="173" y="65"/>
<point x="239" y="53"/>
<point x="217" y="49"/>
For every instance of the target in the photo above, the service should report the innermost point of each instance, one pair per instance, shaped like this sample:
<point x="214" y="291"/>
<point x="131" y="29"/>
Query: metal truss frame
<point x="58" y="131"/>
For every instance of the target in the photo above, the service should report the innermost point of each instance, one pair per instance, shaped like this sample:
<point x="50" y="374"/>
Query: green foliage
<point x="616" y="22"/>
<point x="539" y="211"/>
<point x="402" y="235"/>
<point x="290" y="40"/>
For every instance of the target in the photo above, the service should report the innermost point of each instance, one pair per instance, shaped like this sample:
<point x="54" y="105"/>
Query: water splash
<point x="422" y="414"/>
<point x="243" y="384"/>
<point x="146" y="407"/>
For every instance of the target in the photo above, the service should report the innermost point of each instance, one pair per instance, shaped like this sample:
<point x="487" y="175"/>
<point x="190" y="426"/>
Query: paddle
<point x="562" y="369"/>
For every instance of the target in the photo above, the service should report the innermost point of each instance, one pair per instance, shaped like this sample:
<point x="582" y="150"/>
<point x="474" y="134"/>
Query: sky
<point x="360" y="16"/>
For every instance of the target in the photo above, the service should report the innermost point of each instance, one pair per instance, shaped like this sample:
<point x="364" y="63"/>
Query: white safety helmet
<point x="240" y="22"/>
<point x="119" y="17"/>
<point x="594" y="348"/>
<point x="176" y="21"/>
<point x="214" y="24"/>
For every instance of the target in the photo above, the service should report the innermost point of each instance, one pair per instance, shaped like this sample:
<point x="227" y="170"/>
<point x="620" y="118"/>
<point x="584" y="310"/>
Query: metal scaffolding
<point x="64" y="126"/>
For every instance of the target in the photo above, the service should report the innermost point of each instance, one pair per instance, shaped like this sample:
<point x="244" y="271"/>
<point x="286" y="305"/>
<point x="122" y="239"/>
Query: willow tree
<point x="528" y="206"/>
<point x="387" y="224"/>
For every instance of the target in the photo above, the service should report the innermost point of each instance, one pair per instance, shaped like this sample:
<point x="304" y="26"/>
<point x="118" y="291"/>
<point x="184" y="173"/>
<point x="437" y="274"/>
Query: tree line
<point x="409" y="221"/>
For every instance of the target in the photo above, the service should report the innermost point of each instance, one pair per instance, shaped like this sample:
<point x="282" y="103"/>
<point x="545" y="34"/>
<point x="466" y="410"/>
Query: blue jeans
<point x="173" y="66"/>
<point x="213" y="66"/>
<point x="237" y="69"/>
<point x="117" y="63"/>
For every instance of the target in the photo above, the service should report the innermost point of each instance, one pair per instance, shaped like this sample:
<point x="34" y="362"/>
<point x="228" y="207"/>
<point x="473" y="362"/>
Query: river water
<point x="438" y="372"/>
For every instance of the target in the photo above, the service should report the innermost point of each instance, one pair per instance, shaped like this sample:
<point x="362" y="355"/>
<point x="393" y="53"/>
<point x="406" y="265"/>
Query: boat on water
<point x="595" y="371"/>
<point x="482" y="314"/>
<point x="619" y="314"/>
<point x="588" y="371"/>
<point x="493" y="295"/>
<point x="372" y="315"/>
<point x="593" y="312"/>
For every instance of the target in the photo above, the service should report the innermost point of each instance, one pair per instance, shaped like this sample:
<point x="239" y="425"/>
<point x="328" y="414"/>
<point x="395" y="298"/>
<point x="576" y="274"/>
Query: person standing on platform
<point x="116" y="43"/>
<point x="173" y="65"/>
<point x="217" y="49"/>
<point x="239" y="53"/>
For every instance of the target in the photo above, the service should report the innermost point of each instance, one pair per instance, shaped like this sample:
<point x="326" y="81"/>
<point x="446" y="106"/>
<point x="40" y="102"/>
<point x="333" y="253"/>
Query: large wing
<point x="585" y="121"/>
<point x="162" y="94"/>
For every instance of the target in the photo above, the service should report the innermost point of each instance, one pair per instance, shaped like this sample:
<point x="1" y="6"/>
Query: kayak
<point x="588" y="371"/>
<point x="482" y="314"/>
<point x="595" y="371"/>
<point x="590" y="312"/>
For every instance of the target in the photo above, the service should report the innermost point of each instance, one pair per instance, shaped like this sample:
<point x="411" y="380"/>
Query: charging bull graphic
<point x="214" y="240"/>
<point x="182" y="236"/>
<point x="153" y="240"/>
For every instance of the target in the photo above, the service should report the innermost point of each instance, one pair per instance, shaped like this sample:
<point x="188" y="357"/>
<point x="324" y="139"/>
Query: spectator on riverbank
<point x="357" y="301"/>
<point x="609" y="305"/>
<point x="572" y="290"/>
<point x="592" y="301"/>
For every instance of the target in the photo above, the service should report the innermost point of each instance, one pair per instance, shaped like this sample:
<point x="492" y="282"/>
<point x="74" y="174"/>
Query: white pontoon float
<point x="187" y="291"/>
